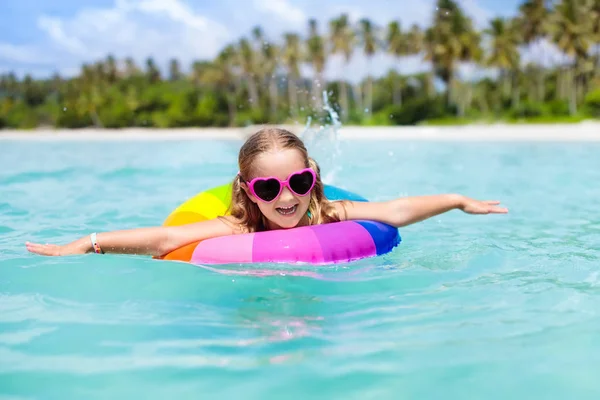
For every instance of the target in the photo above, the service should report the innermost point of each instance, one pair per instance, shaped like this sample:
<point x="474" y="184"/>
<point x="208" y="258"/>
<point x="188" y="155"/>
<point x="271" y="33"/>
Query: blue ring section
<point x="335" y="193"/>
<point x="385" y="236"/>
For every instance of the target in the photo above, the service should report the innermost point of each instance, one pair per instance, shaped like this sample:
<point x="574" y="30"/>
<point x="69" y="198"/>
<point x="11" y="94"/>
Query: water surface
<point x="502" y="306"/>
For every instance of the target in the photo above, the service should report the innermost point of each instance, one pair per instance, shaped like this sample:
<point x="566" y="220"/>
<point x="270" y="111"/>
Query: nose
<point x="286" y="194"/>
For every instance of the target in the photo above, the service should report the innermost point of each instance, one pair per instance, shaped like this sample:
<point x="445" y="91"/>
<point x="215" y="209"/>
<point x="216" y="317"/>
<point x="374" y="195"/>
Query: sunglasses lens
<point x="267" y="189"/>
<point x="302" y="183"/>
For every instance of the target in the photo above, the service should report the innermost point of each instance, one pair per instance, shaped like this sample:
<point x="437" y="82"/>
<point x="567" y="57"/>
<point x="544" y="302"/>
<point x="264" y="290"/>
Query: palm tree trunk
<point x="450" y="90"/>
<point x="572" y="93"/>
<point x="505" y="79"/>
<point x="231" y="110"/>
<point x="273" y="95"/>
<point x="293" y="95"/>
<point x="95" y="118"/>
<point x="561" y="92"/>
<point x="369" y="96"/>
<point x="304" y="96"/>
<point x="358" y="96"/>
<point x="252" y="92"/>
<point x="317" y="90"/>
<point x="397" y="92"/>
<point x="343" y="100"/>
<point x="516" y="90"/>
<point x="369" y="89"/>
<point x="541" y="78"/>
<point x="597" y="62"/>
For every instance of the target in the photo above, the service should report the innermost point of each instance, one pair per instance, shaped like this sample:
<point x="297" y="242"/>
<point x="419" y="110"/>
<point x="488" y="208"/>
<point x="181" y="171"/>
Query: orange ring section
<point x="203" y="206"/>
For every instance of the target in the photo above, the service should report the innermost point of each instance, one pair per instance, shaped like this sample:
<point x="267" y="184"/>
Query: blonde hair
<point x="247" y="212"/>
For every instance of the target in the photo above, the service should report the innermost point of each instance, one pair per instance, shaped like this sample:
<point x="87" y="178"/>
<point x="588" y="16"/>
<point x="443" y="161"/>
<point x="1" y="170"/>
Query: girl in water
<point x="278" y="186"/>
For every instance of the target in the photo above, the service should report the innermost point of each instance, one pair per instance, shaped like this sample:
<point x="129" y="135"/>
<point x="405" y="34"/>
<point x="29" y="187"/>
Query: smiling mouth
<point x="287" y="210"/>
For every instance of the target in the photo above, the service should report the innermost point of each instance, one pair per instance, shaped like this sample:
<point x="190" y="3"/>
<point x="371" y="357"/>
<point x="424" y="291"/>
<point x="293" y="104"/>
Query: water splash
<point x="323" y="143"/>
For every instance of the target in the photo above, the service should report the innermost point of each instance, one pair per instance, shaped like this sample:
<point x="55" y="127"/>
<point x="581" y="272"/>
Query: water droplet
<point x="64" y="108"/>
<point x="366" y="110"/>
<point x="391" y="116"/>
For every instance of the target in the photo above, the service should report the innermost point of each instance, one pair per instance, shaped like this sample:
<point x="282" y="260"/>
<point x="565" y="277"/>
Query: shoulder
<point x="341" y="207"/>
<point x="232" y="223"/>
<point x="350" y="210"/>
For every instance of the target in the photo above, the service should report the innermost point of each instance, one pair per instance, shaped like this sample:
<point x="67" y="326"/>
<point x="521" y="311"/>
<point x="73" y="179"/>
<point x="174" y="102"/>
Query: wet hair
<point x="247" y="212"/>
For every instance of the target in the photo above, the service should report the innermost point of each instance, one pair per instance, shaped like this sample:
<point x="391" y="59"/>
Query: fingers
<point x="42" y="249"/>
<point x="493" y="208"/>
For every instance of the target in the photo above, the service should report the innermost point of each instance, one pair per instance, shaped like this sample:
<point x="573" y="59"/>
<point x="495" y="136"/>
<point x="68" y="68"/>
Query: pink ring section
<point x="318" y="244"/>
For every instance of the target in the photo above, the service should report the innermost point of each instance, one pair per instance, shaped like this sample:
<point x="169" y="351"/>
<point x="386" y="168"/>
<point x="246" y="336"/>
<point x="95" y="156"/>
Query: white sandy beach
<point x="588" y="131"/>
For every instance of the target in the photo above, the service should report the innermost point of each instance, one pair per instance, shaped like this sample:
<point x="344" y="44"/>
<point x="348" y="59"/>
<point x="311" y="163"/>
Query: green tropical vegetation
<point x="257" y="80"/>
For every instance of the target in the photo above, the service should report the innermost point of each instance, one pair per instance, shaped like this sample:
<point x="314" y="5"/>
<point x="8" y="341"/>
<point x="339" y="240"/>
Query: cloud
<point x="20" y="53"/>
<point x="478" y="14"/>
<point x="282" y="10"/>
<point x="130" y="28"/>
<point x="176" y="10"/>
<point x="55" y="29"/>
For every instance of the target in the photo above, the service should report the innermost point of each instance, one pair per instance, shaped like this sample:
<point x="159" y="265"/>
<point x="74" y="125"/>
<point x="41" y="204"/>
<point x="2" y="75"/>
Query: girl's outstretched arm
<point x="154" y="241"/>
<point x="405" y="211"/>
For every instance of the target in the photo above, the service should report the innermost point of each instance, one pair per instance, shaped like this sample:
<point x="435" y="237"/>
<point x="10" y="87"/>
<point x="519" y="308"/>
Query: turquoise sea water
<point x="495" y="307"/>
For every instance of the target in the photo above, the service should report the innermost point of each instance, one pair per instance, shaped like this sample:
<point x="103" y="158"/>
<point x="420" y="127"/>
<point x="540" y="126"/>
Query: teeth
<point x="286" y="210"/>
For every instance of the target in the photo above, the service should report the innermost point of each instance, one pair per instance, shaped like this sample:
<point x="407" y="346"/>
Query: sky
<point x="41" y="38"/>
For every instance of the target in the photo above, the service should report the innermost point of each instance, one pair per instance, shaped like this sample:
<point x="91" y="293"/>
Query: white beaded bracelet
<point x="95" y="244"/>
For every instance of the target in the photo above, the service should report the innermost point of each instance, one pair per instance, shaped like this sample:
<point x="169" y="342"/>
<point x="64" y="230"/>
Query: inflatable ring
<point x="316" y="244"/>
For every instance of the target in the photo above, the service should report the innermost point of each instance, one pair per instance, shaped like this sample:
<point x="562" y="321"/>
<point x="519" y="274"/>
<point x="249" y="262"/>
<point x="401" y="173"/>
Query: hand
<point x="56" y="250"/>
<point x="472" y="206"/>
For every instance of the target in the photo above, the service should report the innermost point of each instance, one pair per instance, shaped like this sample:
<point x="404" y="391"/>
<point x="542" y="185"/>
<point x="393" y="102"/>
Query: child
<point x="278" y="186"/>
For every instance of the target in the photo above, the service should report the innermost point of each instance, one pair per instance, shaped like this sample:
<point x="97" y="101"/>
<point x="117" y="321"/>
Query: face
<point x="289" y="209"/>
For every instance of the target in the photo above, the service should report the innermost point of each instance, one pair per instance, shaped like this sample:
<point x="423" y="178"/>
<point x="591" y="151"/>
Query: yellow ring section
<point x="203" y="206"/>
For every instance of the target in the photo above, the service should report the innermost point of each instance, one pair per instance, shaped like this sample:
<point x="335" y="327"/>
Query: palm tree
<point x="342" y="41"/>
<point x="370" y="46"/>
<point x="415" y="40"/>
<point x="571" y="28"/>
<point x="397" y="46"/>
<point x="152" y="71"/>
<point x="219" y="76"/>
<point x="130" y="68"/>
<point x="226" y="63"/>
<point x="111" y="69"/>
<point x="270" y="55"/>
<point x="291" y="59"/>
<point x="174" y="70"/>
<point x="504" y="53"/>
<point x="89" y="98"/>
<point x="317" y="57"/>
<point x="197" y="72"/>
<point x="258" y="43"/>
<point x="248" y="64"/>
<point x="533" y="23"/>
<point x="596" y="35"/>
<point x="450" y="40"/>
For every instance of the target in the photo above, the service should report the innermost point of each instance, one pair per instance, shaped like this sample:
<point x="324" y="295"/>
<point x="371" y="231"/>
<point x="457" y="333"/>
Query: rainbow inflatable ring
<point x="337" y="242"/>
